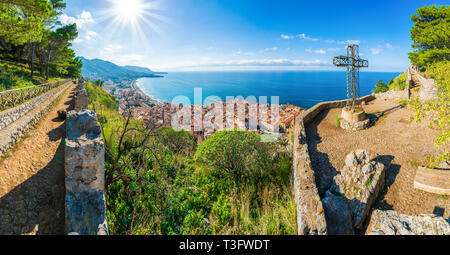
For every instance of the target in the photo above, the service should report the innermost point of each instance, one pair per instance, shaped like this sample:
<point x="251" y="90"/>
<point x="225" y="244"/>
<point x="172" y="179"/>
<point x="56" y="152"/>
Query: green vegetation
<point x="443" y="197"/>
<point x="431" y="35"/>
<point x="158" y="182"/>
<point x="34" y="47"/>
<point x="380" y="87"/>
<point x="399" y="83"/>
<point x="338" y="120"/>
<point x="368" y="182"/>
<point x="438" y="108"/>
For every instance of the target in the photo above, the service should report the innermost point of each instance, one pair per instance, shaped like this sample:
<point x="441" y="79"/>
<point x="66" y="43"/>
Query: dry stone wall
<point x="15" y="122"/>
<point x="310" y="211"/>
<point x="85" y="204"/>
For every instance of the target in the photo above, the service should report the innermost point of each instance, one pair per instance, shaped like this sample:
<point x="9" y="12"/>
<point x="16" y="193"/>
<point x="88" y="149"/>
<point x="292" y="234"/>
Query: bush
<point x="380" y="87"/>
<point x="239" y="153"/>
<point x="399" y="83"/>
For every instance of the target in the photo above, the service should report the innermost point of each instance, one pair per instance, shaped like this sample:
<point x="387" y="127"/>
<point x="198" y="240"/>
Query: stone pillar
<point x="81" y="100"/>
<point x="84" y="175"/>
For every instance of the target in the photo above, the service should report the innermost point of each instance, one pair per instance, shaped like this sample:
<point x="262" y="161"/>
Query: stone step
<point x="433" y="180"/>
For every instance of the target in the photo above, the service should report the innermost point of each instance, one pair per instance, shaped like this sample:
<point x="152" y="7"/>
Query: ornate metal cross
<point x="353" y="63"/>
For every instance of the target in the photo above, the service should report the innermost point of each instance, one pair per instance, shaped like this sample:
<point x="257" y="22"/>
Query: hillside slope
<point x="105" y="70"/>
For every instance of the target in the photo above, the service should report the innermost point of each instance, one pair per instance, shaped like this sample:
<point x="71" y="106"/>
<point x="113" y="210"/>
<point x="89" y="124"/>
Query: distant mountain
<point x="105" y="70"/>
<point x="138" y="69"/>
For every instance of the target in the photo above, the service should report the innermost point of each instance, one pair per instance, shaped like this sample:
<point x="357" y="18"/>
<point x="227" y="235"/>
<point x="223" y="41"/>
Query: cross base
<point x="354" y="120"/>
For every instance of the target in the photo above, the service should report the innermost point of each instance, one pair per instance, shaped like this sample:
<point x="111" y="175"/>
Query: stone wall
<point x="15" y="122"/>
<point x="85" y="174"/>
<point x="394" y="95"/>
<point x="310" y="211"/>
<point x="428" y="89"/>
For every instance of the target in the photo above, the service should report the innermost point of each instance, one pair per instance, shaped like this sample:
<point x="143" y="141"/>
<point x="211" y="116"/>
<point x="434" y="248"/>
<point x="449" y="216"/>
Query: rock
<point x="337" y="215"/>
<point x="368" y="168"/>
<point x="360" y="181"/>
<point x="393" y="223"/>
<point x="85" y="208"/>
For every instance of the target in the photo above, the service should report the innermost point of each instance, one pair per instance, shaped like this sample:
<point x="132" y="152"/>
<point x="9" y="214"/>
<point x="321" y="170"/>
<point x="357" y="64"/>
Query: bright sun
<point x="132" y="15"/>
<point x="128" y="10"/>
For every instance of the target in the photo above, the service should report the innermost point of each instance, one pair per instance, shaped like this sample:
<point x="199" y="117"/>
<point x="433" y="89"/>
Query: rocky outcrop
<point x="359" y="182"/>
<point x="85" y="175"/>
<point x="393" y="223"/>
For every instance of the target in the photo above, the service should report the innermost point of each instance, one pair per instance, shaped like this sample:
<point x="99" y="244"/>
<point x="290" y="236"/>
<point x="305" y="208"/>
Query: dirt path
<point x="32" y="178"/>
<point x="403" y="143"/>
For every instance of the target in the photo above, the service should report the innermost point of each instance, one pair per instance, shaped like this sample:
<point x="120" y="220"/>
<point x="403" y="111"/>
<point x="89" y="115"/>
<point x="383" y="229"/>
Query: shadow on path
<point x="36" y="205"/>
<point x="324" y="171"/>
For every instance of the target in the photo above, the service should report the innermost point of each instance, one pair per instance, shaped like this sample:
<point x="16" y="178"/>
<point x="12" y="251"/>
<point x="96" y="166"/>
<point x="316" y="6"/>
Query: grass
<point x="6" y="155"/>
<point x="443" y="197"/>
<point x="413" y="163"/>
<point x="14" y="76"/>
<point x="338" y="121"/>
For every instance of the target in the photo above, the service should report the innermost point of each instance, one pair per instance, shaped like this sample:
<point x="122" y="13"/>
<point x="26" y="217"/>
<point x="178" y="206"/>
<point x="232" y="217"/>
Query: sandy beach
<point x="149" y="100"/>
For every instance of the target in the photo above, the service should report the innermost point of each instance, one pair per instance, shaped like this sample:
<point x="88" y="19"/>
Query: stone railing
<point x="15" y="122"/>
<point x="310" y="213"/>
<point x="85" y="204"/>
<point x="15" y="97"/>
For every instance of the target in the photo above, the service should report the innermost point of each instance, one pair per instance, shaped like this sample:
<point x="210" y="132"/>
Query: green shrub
<point x="399" y="83"/>
<point x="238" y="153"/>
<point x="380" y="87"/>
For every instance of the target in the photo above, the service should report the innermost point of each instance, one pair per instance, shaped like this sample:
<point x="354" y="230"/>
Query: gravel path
<point x="394" y="139"/>
<point x="32" y="178"/>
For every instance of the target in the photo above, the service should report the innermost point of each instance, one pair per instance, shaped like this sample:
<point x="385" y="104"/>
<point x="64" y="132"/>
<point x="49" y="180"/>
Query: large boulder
<point x="337" y="215"/>
<point x="393" y="223"/>
<point x="359" y="182"/>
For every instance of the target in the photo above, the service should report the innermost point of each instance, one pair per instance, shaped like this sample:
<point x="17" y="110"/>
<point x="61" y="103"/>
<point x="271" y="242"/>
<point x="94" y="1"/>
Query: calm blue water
<point x="300" y="88"/>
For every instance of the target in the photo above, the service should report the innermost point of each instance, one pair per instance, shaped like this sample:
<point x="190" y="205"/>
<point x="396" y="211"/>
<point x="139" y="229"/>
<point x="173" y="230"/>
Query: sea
<point x="299" y="88"/>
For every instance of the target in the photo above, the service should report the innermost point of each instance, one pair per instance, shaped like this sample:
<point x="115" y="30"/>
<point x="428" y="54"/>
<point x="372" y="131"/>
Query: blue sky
<point x="191" y="35"/>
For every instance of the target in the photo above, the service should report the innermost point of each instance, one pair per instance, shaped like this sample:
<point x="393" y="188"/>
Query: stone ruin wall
<point x="13" y="122"/>
<point x="310" y="212"/>
<point x="85" y="204"/>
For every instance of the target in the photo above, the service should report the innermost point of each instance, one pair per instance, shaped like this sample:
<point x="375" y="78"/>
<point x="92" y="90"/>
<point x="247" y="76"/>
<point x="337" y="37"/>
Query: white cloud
<point x="127" y="59"/>
<point x="305" y="37"/>
<point x="375" y="51"/>
<point x="309" y="38"/>
<point x="302" y="36"/>
<point x="349" y="42"/>
<point x="271" y="49"/>
<point x="333" y="49"/>
<point x="81" y="20"/>
<point x="111" y="49"/>
<point x="388" y="46"/>
<point x="268" y="62"/>
<point x="287" y="37"/>
<point x="87" y="36"/>
<point x="320" y="51"/>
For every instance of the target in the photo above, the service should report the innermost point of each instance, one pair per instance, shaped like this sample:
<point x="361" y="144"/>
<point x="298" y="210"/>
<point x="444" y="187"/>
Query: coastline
<point x="149" y="100"/>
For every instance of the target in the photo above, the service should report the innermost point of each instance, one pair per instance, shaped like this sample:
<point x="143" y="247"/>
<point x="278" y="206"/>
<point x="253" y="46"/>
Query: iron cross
<point x="353" y="63"/>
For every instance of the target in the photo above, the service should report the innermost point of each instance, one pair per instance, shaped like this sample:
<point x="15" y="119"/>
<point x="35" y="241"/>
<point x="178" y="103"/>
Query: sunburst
<point x="136" y="16"/>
